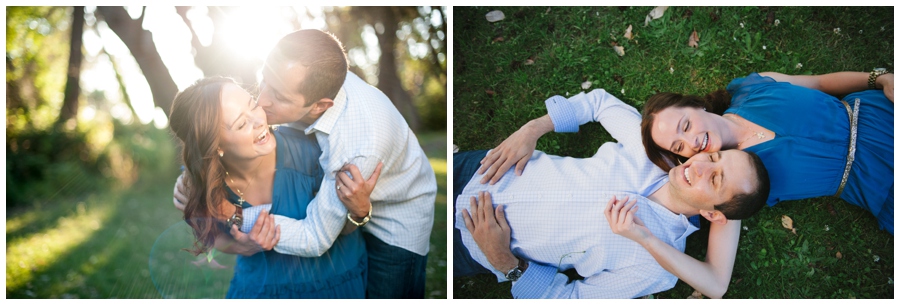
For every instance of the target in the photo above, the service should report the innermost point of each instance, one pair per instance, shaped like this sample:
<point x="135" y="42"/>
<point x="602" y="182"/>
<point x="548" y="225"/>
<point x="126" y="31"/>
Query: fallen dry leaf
<point x="586" y="85"/>
<point x="692" y="42"/>
<point x="498" y="39"/>
<point x="619" y="50"/>
<point x="628" y="33"/>
<point x="695" y="295"/>
<point x="490" y="92"/>
<point x="788" y="223"/>
<point x="548" y="11"/>
<point x="530" y="60"/>
<point x="494" y="16"/>
<point x="655" y="14"/>
<point x="838" y="255"/>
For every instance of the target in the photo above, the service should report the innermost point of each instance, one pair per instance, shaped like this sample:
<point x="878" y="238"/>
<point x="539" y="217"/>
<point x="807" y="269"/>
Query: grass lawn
<point x="504" y="71"/>
<point x="125" y="241"/>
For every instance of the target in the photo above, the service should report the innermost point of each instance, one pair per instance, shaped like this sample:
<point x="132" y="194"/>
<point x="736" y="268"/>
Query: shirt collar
<point x="326" y="122"/>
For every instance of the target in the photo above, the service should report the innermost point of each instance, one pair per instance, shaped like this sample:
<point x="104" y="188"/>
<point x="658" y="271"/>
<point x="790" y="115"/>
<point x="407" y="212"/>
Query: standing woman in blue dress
<point x="237" y="170"/>
<point x="812" y="143"/>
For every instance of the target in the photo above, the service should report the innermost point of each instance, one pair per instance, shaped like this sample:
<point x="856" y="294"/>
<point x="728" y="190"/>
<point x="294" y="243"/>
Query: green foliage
<point x="495" y="92"/>
<point x="42" y="164"/>
<point x="37" y="57"/>
<point x="97" y="243"/>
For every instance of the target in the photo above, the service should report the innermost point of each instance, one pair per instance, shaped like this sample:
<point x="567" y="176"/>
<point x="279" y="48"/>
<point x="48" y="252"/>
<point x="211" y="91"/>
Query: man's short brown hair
<point x="323" y="56"/>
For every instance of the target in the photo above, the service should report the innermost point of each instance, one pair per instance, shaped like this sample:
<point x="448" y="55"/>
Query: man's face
<point x="278" y="94"/>
<point x="709" y="179"/>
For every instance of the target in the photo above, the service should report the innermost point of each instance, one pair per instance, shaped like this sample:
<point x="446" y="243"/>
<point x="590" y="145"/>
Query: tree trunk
<point x="140" y="43"/>
<point x="210" y="58"/>
<point x="70" y="102"/>
<point x="388" y="80"/>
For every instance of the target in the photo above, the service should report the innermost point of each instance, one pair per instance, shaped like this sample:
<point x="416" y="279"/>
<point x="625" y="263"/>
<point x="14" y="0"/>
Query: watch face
<point x="514" y="274"/>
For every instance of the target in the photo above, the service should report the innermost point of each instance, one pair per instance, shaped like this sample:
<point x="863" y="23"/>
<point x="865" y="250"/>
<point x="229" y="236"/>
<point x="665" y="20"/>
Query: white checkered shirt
<point x="362" y="128"/>
<point x="555" y="210"/>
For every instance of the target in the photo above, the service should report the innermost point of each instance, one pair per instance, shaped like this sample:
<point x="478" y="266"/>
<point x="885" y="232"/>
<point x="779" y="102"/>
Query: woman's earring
<point x="221" y="153"/>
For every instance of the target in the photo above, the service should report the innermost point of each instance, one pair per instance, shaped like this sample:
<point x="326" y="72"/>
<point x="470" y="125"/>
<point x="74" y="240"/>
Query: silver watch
<point x="515" y="273"/>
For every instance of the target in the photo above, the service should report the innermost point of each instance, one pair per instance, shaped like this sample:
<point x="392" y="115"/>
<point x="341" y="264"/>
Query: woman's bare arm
<point x="838" y="83"/>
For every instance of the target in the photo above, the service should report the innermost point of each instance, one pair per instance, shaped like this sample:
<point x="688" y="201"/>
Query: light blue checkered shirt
<point x="362" y="128"/>
<point x="555" y="210"/>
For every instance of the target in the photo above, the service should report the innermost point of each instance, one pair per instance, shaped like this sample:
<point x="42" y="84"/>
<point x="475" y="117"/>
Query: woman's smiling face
<point x="686" y="131"/>
<point x="245" y="131"/>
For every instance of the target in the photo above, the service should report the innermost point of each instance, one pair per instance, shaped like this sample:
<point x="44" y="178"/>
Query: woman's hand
<point x="262" y="237"/>
<point x="515" y="150"/>
<point x="354" y="193"/>
<point x="179" y="199"/>
<point x="886" y="81"/>
<point x="623" y="221"/>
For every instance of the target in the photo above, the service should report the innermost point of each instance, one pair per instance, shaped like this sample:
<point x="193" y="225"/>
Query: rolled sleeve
<point x="562" y="113"/>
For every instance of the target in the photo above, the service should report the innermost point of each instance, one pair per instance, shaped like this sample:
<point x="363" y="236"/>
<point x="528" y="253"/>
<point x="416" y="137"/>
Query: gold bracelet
<point x="364" y="221"/>
<point x="874" y="75"/>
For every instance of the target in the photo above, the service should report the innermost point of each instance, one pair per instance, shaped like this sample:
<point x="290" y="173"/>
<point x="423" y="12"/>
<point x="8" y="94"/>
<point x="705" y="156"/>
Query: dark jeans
<point x="394" y="272"/>
<point x="464" y="166"/>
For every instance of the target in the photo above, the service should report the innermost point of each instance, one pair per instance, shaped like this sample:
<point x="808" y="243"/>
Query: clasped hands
<point x="265" y="234"/>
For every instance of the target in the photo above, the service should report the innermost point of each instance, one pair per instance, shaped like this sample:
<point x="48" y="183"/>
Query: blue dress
<point x="339" y="273"/>
<point x="812" y="135"/>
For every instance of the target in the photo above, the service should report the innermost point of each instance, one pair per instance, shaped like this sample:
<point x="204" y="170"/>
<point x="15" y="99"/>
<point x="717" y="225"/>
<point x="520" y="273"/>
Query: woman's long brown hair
<point x="716" y="102"/>
<point x="196" y="121"/>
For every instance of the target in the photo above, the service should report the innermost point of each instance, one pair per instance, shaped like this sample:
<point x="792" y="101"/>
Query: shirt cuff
<point x="534" y="281"/>
<point x="562" y="113"/>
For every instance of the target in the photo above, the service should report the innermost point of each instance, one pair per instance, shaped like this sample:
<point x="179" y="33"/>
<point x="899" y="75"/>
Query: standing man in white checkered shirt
<point x="306" y="85"/>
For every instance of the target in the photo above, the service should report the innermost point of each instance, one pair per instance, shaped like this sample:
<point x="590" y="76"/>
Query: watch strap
<point x="874" y="75"/>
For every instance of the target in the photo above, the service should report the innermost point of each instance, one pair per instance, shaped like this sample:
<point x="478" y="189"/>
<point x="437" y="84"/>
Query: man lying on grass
<point x="565" y="213"/>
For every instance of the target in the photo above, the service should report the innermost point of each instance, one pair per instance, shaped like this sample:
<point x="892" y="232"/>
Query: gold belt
<point x="851" y="149"/>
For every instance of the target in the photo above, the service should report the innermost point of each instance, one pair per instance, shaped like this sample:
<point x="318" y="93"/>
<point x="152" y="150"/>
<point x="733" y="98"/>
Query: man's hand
<point x="623" y="221"/>
<point x="354" y="193"/>
<point x="179" y="198"/>
<point x="263" y="237"/>
<point x="490" y="231"/>
<point x="886" y="82"/>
